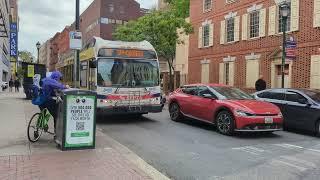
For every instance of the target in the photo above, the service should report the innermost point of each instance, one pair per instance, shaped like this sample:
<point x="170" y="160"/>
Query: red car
<point x="229" y="108"/>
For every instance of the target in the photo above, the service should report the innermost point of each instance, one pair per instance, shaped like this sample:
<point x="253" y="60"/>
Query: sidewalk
<point x="20" y="159"/>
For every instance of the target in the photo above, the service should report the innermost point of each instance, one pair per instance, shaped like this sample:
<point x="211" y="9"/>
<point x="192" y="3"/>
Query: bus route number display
<point x="130" y="53"/>
<point x="80" y="121"/>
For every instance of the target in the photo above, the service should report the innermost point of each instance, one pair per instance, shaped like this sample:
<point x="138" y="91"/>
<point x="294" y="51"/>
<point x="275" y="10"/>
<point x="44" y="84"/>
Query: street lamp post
<point x="38" y="48"/>
<point x="284" y="11"/>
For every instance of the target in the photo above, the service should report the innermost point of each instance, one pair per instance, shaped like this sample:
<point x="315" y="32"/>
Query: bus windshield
<point x="127" y="73"/>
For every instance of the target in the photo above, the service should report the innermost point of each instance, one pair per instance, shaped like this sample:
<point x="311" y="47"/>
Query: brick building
<point x="236" y="40"/>
<point x="102" y="16"/>
<point x="100" y="19"/>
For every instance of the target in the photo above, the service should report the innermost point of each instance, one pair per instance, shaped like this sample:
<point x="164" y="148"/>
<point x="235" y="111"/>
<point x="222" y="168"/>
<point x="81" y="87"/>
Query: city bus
<point x="125" y="75"/>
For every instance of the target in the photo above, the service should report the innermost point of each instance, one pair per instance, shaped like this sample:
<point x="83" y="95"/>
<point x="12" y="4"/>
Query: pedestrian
<point x="261" y="84"/>
<point x="11" y="84"/>
<point x="17" y="85"/>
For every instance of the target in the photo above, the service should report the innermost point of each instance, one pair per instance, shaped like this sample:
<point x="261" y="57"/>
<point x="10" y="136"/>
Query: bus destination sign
<point x="127" y="53"/>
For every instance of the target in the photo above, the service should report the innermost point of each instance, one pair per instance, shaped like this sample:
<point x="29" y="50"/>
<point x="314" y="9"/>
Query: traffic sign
<point x="75" y="40"/>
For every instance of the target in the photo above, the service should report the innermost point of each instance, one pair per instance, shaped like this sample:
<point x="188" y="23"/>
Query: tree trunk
<point x="171" y="82"/>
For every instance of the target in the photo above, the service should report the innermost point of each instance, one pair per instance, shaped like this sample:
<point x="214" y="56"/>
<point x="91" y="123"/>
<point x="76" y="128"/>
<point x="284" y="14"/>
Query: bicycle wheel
<point x="34" y="132"/>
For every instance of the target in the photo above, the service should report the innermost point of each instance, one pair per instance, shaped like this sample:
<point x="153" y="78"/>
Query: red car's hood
<point x="255" y="107"/>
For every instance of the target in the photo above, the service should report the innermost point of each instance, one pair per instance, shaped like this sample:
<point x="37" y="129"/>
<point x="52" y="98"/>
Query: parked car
<point x="300" y="107"/>
<point x="229" y="108"/>
<point x="4" y="85"/>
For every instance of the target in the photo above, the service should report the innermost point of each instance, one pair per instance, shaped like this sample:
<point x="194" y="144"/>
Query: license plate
<point x="268" y="120"/>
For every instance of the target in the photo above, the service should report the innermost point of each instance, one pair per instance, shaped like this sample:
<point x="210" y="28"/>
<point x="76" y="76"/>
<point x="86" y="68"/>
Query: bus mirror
<point x="93" y="64"/>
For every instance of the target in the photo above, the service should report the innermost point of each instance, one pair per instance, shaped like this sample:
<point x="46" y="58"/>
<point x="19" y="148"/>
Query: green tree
<point x="160" y="29"/>
<point x="26" y="56"/>
<point x="181" y="8"/>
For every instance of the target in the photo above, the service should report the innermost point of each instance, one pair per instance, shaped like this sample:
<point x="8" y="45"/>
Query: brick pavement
<point x="43" y="161"/>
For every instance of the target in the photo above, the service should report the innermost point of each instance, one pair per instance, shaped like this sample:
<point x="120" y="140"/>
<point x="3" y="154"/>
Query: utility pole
<point x="76" y="73"/>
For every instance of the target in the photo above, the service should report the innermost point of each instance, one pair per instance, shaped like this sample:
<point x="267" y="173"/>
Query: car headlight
<point x="243" y="113"/>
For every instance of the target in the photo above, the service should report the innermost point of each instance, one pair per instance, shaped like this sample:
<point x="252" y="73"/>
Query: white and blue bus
<point x="125" y="75"/>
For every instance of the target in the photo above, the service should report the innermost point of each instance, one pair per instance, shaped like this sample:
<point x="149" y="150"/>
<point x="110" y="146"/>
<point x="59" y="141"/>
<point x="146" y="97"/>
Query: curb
<point x="135" y="159"/>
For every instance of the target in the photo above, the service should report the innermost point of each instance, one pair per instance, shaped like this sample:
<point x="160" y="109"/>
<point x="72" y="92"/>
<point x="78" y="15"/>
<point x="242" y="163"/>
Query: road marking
<point x="290" y="165"/>
<point x="289" y="146"/>
<point x="300" y="161"/>
<point x="250" y="149"/>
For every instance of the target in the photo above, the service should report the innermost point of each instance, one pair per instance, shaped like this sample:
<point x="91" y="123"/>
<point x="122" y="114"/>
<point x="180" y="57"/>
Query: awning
<point x="4" y="31"/>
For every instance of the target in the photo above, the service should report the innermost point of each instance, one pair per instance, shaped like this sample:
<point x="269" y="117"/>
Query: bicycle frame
<point x="44" y="119"/>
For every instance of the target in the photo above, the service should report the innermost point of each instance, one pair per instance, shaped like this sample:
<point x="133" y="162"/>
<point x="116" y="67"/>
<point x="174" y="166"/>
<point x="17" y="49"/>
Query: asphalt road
<point x="194" y="150"/>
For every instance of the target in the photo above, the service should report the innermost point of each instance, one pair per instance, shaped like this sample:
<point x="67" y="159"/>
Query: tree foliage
<point x="26" y="56"/>
<point x="181" y="8"/>
<point x="160" y="29"/>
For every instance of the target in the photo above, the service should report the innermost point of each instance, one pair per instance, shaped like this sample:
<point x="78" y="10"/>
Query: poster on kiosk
<point x="76" y="125"/>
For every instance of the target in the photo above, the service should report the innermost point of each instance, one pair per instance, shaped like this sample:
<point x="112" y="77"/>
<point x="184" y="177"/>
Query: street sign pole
<point x="76" y="73"/>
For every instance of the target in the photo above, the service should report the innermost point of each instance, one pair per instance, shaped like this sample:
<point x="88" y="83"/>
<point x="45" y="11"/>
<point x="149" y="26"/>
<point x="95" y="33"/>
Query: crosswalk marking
<point x="288" y="164"/>
<point x="289" y="146"/>
<point x="250" y="149"/>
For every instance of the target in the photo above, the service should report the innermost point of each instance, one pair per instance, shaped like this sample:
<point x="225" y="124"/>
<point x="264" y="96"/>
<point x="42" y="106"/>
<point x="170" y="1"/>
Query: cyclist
<point x="45" y="98"/>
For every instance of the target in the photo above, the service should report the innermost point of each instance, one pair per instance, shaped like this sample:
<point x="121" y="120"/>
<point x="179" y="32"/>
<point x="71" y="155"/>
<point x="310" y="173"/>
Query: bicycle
<point x="41" y="124"/>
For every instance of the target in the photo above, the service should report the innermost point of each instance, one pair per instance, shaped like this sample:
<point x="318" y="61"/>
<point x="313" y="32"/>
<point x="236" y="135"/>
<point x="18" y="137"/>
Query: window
<point x="121" y="10"/>
<point x="191" y="90"/>
<point x="111" y="8"/>
<point x="280" y="29"/>
<point x="205" y="36"/>
<point x="254" y="24"/>
<point x="204" y="90"/>
<point x="230" y="1"/>
<point x="226" y="73"/>
<point x="207" y="5"/>
<point x="230" y="30"/>
<point x="83" y="73"/>
<point x="271" y="95"/>
<point x="295" y="97"/>
<point x="119" y="22"/>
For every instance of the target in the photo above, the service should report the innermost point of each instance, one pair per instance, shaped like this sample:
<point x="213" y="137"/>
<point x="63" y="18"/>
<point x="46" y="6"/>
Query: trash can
<point x="76" y="120"/>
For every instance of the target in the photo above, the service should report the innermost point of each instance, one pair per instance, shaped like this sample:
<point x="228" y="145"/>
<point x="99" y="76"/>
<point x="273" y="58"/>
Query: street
<point x="194" y="150"/>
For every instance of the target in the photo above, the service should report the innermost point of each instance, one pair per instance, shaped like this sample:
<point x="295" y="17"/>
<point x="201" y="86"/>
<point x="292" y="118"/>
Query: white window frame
<point x="226" y="29"/>
<point x="209" y="8"/>
<point x="203" y="35"/>
<point x="230" y="1"/>
<point x="249" y="24"/>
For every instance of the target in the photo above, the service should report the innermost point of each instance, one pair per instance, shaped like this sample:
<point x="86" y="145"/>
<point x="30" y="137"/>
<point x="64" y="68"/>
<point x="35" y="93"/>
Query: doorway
<point x="276" y="74"/>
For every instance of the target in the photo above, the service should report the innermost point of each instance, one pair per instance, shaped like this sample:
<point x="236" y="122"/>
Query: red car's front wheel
<point x="175" y="113"/>
<point x="225" y="123"/>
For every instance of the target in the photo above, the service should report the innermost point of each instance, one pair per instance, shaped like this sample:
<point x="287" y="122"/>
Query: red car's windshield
<point x="232" y="93"/>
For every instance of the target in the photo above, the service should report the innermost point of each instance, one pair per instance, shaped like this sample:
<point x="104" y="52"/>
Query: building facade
<point x="100" y="19"/>
<point x="4" y="41"/>
<point x="235" y="41"/>
<point x="182" y="56"/>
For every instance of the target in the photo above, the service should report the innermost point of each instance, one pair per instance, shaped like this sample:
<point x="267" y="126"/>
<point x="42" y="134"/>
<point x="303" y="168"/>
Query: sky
<point x="41" y="19"/>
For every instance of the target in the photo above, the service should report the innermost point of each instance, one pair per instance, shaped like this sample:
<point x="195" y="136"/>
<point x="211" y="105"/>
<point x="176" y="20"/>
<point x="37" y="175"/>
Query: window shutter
<point x="272" y="20"/>
<point x="316" y="14"/>
<point x="211" y="34"/>
<point x="294" y="15"/>
<point x="245" y="27"/>
<point x="252" y="73"/>
<point x="231" y="73"/>
<point x="262" y="22"/>
<point x="200" y="43"/>
<point x="237" y="28"/>
<point x="315" y="72"/>
<point x="221" y="73"/>
<point x="222" y="32"/>
<point x="205" y="73"/>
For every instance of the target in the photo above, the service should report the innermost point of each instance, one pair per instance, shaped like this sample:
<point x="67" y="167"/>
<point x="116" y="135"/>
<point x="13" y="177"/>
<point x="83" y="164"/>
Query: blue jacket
<point x="49" y="84"/>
